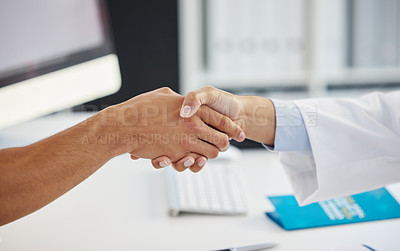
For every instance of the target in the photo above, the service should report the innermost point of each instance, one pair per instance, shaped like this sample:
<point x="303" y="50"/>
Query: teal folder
<point x="374" y="205"/>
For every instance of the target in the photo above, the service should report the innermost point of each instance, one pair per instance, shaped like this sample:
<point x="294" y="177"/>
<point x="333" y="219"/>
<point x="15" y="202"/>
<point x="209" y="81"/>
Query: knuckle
<point x="191" y="96"/>
<point x="208" y="88"/>
<point x="222" y="144"/>
<point x="225" y="143"/>
<point x="166" y="89"/>
<point x="238" y="129"/>
<point x="224" y="122"/>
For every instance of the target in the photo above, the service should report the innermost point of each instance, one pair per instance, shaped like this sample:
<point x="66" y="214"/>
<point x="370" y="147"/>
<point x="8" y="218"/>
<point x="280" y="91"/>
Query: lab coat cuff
<point x="290" y="133"/>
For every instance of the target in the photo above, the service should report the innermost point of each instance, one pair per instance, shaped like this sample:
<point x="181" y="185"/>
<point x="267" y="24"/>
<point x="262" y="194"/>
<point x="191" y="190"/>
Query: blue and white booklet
<point x="374" y="205"/>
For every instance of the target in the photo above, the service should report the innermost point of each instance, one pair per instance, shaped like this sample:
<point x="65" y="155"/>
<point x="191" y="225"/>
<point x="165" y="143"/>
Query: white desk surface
<point x="123" y="206"/>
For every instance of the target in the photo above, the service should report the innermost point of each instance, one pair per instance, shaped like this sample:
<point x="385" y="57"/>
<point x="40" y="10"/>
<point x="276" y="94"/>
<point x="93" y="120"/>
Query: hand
<point x="255" y="115"/>
<point x="149" y="126"/>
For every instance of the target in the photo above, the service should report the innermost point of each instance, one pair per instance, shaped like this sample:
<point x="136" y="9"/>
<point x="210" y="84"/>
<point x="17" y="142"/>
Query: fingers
<point x="221" y="123"/>
<point x="199" y="164"/>
<point x="161" y="162"/>
<point x="184" y="163"/>
<point x="194" y="100"/>
<point x="203" y="148"/>
<point x="214" y="137"/>
<point x="193" y="161"/>
<point x="221" y="101"/>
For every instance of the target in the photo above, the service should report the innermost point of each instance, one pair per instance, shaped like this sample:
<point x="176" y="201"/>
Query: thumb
<point x="192" y="103"/>
<point x="207" y="95"/>
<point x="221" y="101"/>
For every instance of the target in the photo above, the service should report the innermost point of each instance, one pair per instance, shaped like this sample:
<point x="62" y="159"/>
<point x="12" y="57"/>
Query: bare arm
<point x="33" y="176"/>
<point x="147" y="126"/>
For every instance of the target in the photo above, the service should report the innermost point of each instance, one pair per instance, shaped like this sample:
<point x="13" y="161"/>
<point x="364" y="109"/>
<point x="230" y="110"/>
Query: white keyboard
<point x="217" y="189"/>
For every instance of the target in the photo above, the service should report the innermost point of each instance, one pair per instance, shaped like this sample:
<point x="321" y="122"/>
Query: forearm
<point x="35" y="175"/>
<point x="257" y="118"/>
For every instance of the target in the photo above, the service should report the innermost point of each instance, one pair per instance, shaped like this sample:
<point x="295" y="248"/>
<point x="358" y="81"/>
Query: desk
<point x="123" y="206"/>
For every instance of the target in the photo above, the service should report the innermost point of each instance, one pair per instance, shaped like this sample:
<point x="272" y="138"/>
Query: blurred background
<point x="291" y="48"/>
<point x="275" y="48"/>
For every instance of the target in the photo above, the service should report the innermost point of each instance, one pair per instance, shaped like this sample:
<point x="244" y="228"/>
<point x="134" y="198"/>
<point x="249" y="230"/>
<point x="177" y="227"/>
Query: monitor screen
<point x="37" y="37"/>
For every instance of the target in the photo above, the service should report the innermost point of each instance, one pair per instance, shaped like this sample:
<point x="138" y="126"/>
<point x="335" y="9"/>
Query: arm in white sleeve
<point x="355" y="147"/>
<point x="290" y="133"/>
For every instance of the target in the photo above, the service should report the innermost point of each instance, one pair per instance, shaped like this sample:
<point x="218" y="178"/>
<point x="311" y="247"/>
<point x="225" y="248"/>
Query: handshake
<point x="168" y="128"/>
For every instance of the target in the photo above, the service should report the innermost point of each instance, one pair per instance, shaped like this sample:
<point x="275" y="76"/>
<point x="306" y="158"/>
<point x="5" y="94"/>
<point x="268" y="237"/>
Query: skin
<point x="34" y="175"/>
<point x="255" y="115"/>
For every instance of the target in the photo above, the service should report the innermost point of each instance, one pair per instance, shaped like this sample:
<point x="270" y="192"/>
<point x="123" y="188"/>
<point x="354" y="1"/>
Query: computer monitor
<point x="53" y="55"/>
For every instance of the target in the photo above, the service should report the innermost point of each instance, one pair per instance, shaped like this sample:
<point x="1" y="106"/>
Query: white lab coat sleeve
<point x="355" y="147"/>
